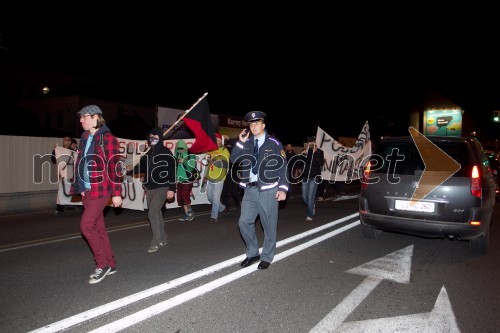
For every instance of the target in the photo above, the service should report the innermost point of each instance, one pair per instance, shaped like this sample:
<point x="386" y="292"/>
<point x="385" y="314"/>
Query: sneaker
<point x="153" y="248"/>
<point x="100" y="273"/>
<point x="111" y="272"/>
<point x="57" y="213"/>
<point x="190" y="216"/>
<point x="163" y="243"/>
<point x="184" y="218"/>
<point x="321" y="198"/>
<point x="214" y="220"/>
<point x="309" y="219"/>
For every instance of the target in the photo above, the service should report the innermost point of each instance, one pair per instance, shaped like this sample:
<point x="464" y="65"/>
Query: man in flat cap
<point x="263" y="164"/>
<point x="97" y="179"/>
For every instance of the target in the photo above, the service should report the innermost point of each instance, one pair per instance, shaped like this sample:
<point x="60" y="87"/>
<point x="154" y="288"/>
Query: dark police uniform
<point x="260" y="193"/>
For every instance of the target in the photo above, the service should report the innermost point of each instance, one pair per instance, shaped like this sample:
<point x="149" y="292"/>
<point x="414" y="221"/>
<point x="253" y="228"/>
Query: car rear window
<point x="413" y="164"/>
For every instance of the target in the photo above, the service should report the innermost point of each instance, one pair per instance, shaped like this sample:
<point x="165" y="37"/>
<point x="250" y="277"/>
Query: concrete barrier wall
<point x="26" y="202"/>
<point x="25" y="185"/>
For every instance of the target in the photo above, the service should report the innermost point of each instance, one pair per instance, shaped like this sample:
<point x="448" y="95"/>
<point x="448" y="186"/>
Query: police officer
<point x="263" y="178"/>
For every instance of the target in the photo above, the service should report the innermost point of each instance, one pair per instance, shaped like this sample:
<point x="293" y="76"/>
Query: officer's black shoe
<point x="263" y="265"/>
<point x="248" y="261"/>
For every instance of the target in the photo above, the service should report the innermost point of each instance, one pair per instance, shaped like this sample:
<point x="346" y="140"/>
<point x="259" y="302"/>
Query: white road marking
<point x="397" y="267"/>
<point x="440" y="319"/>
<point x="112" y="306"/>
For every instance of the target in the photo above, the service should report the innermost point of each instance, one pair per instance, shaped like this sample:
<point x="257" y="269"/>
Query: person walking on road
<point x="158" y="166"/>
<point x="218" y="162"/>
<point x="313" y="158"/>
<point x="186" y="165"/>
<point x="264" y="178"/>
<point x="97" y="180"/>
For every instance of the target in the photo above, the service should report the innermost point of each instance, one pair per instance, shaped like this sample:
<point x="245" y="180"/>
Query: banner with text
<point x="344" y="163"/>
<point x="133" y="194"/>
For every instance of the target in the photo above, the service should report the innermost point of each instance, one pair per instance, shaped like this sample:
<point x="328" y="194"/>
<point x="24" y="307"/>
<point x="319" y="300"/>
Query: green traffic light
<point x="496" y="119"/>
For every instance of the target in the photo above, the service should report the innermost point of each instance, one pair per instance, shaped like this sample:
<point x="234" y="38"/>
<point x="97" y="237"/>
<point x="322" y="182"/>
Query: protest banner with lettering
<point x="133" y="193"/>
<point x="344" y="163"/>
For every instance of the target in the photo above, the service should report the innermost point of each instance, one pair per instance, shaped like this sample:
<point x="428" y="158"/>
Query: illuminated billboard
<point x="443" y="123"/>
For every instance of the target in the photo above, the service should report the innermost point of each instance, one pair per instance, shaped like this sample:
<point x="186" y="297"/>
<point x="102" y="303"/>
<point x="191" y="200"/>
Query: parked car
<point x="460" y="208"/>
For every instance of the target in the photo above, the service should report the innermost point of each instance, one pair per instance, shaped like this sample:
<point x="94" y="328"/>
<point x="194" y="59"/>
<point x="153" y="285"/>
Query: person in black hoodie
<point x="158" y="167"/>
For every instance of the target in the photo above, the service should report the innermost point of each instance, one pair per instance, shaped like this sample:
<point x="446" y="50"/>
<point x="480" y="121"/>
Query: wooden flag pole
<point x="185" y="114"/>
<point x="172" y="126"/>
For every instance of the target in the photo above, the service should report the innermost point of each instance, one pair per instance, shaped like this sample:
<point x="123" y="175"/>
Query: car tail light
<point x="366" y="176"/>
<point x="475" y="182"/>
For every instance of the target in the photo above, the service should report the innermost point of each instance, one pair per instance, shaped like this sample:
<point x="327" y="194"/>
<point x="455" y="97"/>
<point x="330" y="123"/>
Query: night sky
<point x="302" y="78"/>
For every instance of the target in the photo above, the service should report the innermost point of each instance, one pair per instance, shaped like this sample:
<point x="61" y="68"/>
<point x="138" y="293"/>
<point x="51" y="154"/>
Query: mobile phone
<point x="245" y="131"/>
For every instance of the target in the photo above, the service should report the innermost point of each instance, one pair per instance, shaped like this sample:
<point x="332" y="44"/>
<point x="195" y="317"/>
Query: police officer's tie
<point x="255" y="156"/>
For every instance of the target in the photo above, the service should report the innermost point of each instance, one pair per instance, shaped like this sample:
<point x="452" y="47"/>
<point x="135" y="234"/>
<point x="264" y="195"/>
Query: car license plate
<point x="419" y="206"/>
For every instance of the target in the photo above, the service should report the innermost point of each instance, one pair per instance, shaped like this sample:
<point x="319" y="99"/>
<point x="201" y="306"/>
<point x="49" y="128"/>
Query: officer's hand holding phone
<point x="244" y="135"/>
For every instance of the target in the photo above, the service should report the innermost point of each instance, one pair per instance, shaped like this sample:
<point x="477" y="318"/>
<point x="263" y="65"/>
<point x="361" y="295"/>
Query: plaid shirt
<point x="105" y="166"/>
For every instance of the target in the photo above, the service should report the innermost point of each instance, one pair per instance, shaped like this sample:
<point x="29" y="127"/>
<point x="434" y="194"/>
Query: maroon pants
<point x="184" y="193"/>
<point x="93" y="229"/>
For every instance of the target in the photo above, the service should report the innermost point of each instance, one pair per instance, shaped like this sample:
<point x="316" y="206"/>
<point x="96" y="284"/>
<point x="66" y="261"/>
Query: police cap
<point x="254" y="116"/>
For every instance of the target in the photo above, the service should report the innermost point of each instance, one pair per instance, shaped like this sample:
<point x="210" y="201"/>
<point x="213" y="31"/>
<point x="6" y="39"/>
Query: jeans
<point x="214" y="191"/>
<point x="93" y="229"/>
<point x="309" y="188"/>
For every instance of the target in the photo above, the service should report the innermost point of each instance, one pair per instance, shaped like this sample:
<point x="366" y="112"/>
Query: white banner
<point x="343" y="163"/>
<point x="133" y="194"/>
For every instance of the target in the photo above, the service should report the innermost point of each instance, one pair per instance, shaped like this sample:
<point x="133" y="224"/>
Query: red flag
<point x="200" y="123"/>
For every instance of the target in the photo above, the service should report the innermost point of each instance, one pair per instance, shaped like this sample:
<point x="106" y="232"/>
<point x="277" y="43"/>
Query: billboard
<point x="231" y="125"/>
<point x="443" y="122"/>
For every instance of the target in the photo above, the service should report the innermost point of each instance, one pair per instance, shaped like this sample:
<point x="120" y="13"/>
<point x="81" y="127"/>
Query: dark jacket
<point x="272" y="163"/>
<point x="313" y="163"/>
<point x="158" y="165"/>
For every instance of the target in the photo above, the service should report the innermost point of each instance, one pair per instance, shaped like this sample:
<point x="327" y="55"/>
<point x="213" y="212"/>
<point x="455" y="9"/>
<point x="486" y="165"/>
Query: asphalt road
<point x="325" y="277"/>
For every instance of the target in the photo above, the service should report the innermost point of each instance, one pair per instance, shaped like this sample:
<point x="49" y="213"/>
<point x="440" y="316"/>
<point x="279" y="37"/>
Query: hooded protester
<point x="186" y="167"/>
<point x="158" y="167"/>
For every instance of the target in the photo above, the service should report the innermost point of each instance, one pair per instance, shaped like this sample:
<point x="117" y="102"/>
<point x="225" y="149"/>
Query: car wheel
<point x="369" y="232"/>
<point x="479" y="245"/>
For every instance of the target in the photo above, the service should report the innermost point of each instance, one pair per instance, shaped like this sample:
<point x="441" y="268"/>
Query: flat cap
<point x="255" y="115"/>
<point x="90" y="109"/>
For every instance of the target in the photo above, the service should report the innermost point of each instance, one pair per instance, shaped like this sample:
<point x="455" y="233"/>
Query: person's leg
<point x="217" y="193"/>
<point x="214" y="212"/>
<point x="93" y="229"/>
<point x="189" y="189"/>
<point x="311" y="200"/>
<point x="305" y="195"/>
<point x="268" y="213"/>
<point x="246" y="223"/>
<point x="156" y="199"/>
